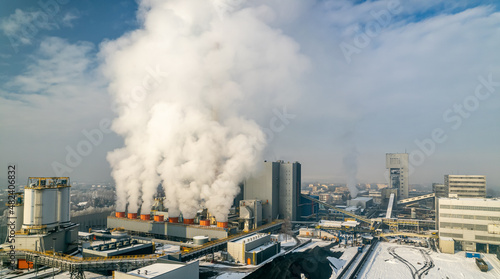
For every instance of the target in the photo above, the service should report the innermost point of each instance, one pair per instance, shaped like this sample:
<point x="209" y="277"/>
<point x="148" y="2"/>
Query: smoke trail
<point x="350" y="161"/>
<point x="188" y="86"/>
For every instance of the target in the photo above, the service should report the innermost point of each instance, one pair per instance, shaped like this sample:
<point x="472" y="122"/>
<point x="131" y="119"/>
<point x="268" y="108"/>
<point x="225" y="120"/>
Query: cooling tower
<point x="158" y="218"/>
<point x="120" y="214"/>
<point x="132" y="215"/>
<point x="222" y="224"/>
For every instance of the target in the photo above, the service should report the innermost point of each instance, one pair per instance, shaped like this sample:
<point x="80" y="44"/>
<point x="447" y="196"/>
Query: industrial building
<point x="119" y="247"/>
<point x="44" y="212"/>
<point x="362" y="202"/>
<point x="473" y="224"/>
<point x="160" y="228"/>
<point x="253" y="249"/>
<point x="251" y="214"/>
<point x="397" y="164"/>
<point x="94" y="220"/>
<point x="466" y="186"/>
<point x="440" y="190"/>
<point x="278" y="187"/>
<point x="163" y="271"/>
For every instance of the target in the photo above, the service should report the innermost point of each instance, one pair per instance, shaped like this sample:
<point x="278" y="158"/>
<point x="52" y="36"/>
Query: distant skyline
<point x="421" y="77"/>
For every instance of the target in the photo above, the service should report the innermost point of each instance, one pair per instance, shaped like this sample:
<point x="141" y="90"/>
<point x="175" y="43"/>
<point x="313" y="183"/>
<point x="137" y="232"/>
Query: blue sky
<point x="355" y="98"/>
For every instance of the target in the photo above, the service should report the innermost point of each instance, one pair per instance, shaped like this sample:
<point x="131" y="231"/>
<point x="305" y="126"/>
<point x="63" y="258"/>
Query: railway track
<point x="416" y="273"/>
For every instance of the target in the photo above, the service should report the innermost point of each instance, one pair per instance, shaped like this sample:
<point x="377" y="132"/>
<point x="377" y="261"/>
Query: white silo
<point x="18" y="211"/>
<point x="40" y="206"/>
<point x="63" y="211"/>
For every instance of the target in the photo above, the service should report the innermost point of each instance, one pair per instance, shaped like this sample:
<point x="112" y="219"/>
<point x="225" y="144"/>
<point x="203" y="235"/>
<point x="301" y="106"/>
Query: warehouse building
<point x="253" y="249"/>
<point x="122" y="247"/>
<point x="473" y="224"/>
<point x="163" y="271"/>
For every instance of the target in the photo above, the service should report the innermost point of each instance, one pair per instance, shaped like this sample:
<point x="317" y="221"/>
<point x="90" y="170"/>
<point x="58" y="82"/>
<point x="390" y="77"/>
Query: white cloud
<point x="21" y="27"/>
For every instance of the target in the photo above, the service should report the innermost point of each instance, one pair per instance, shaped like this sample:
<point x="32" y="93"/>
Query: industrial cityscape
<point x="273" y="217"/>
<point x="238" y="139"/>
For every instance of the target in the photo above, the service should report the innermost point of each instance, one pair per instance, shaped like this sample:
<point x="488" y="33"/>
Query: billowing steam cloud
<point x="188" y="86"/>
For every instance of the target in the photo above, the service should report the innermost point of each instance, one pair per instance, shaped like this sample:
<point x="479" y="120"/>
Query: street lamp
<point x="36" y="266"/>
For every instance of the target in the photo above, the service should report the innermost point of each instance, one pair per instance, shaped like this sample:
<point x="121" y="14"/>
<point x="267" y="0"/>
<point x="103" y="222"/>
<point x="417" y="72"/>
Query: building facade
<point x="466" y="186"/>
<point x="253" y="249"/>
<point x="278" y="187"/>
<point x="289" y="190"/>
<point x="265" y="187"/>
<point x="440" y="190"/>
<point x="474" y="224"/>
<point x="397" y="164"/>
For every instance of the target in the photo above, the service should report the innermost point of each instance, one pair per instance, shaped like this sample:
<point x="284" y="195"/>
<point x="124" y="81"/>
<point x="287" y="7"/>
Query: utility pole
<point x="54" y="254"/>
<point x="36" y="267"/>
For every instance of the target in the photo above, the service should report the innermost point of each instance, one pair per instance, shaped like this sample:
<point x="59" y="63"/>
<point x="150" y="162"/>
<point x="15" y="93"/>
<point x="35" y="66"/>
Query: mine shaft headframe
<point x="48" y="182"/>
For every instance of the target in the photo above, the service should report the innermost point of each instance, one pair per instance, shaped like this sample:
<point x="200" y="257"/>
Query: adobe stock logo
<point x="84" y="147"/>
<point x="381" y="19"/>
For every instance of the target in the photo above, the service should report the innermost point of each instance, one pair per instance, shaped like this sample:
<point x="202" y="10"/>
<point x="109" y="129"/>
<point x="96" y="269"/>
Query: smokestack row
<point x="160" y="218"/>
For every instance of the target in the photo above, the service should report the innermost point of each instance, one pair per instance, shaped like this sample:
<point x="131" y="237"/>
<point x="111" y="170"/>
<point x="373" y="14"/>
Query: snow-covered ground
<point x="312" y="244"/>
<point x="382" y="264"/>
<point x="232" y="275"/>
<point x="338" y="264"/>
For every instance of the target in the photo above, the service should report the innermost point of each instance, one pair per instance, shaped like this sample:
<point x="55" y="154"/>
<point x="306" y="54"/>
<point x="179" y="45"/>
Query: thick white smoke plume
<point x="187" y="87"/>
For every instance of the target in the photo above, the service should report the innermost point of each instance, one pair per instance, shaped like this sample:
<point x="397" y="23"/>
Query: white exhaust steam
<point x="188" y="87"/>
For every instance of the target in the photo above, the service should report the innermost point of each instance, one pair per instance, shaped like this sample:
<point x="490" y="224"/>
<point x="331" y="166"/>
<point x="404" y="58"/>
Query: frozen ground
<point x="382" y="264"/>
<point x="312" y="244"/>
<point x="347" y="255"/>
<point x="232" y="275"/>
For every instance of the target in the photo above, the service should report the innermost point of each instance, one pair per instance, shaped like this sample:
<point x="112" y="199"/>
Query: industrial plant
<point x="273" y="214"/>
<point x="42" y="216"/>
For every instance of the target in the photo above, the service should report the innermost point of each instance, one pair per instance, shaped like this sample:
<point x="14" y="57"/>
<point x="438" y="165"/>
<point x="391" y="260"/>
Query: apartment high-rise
<point x="466" y="186"/>
<point x="397" y="164"/>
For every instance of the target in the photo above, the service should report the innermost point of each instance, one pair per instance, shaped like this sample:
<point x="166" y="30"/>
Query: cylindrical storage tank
<point x="200" y="240"/>
<point x="222" y="224"/>
<point x="145" y="217"/>
<point x="29" y="207"/>
<point x="132" y="215"/>
<point x="158" y="218"/>
<point x="173" y="219"/>
<point x="188" y="221"/>
<point x="18" y="216"/>
<point x="63" y="202"/>
<point x="120" y="214"/>
<point x="205" y="222"/>
<point x="40" y="207"/>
